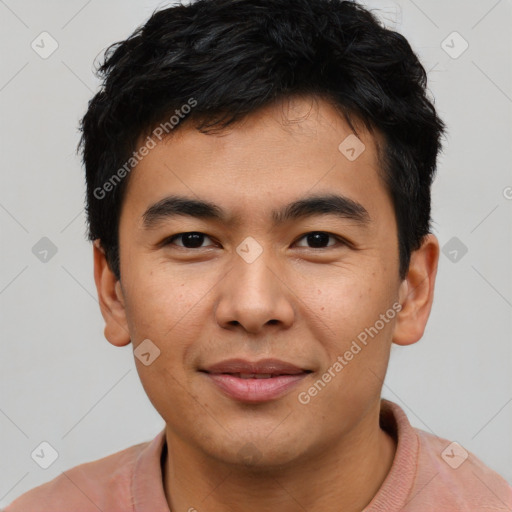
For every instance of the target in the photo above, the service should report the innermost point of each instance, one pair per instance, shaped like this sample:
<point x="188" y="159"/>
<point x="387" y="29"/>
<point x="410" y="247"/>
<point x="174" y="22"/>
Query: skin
<point x="295" y="302"/>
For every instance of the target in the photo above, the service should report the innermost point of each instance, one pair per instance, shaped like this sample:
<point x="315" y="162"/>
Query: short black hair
<point x="229" y="58"/>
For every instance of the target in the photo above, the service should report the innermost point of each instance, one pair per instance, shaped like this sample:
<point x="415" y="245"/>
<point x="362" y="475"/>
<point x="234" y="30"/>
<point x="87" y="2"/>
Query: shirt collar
<point x="147" y="480"/>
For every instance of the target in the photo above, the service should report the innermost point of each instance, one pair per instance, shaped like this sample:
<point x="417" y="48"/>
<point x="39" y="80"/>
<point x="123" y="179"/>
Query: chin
<point x="259" y="455"/>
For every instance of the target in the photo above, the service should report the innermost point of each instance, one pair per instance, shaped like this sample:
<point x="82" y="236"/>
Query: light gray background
<point x="63" y="383"/>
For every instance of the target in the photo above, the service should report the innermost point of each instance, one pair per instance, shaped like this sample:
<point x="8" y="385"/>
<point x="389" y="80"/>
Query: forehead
<point x="282" y="152"/>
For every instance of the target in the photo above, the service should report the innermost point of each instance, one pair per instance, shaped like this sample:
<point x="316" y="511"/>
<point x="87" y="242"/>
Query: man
<point x="296" y="142"/>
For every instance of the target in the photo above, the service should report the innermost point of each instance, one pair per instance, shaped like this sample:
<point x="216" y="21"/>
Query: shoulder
<point x="98" y="485"/>
<point x="430" y="473"/>
<point x="457" y="478"/>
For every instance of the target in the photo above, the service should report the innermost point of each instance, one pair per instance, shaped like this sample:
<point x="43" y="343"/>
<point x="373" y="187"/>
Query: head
<point x="236" y="120"/>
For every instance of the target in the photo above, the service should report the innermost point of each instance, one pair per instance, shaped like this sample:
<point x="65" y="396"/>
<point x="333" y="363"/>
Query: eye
<point x="195" y="240"/>
<point x="319" y="239"/>
<point x="190" y="240"/>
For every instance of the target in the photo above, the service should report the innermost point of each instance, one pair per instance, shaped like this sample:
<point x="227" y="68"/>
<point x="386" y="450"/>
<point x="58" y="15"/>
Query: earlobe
<point x="111" y="299"/>
<point x="416" y="293"/>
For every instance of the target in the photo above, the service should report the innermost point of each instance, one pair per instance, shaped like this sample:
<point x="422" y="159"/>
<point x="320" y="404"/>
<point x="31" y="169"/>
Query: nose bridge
<point x="255" y="277"/>
<point x="252" y="294"/>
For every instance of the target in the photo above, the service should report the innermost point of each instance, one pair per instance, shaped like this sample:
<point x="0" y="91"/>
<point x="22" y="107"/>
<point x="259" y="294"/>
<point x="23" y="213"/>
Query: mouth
<point x="266" y="367"/>
<point x="253" y="382"/>
<point x="254" y="375"/>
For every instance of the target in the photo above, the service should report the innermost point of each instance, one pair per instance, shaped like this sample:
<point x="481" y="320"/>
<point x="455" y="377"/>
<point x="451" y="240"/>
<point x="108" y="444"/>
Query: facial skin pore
<point x="295" y="302"/>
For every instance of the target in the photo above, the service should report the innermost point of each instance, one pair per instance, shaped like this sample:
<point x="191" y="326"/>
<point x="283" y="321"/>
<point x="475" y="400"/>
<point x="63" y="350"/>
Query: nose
<point x="254" y="296"/>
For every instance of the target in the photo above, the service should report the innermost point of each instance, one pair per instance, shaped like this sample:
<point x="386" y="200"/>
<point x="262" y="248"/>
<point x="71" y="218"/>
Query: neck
<point x="342" y="477"/>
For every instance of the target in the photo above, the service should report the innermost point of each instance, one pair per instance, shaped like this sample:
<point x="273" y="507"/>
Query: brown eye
<point x="190" y="240"/>
<point x="319" y="240"/>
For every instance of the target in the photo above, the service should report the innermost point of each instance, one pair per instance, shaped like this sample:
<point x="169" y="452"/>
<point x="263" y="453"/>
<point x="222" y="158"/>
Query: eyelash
<point x="340" y="241"/>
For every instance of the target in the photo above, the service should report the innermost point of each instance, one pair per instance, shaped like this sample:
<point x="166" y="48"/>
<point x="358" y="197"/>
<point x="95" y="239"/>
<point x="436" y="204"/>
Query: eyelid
<point x="170" y="239"/>
<point x="340" y="241"/>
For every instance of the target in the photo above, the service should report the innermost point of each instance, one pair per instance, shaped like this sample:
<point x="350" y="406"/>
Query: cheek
<point x="356" y="344"/>
<point x="355" y="307"/>
<point x="166" y="310"/>
<point x="172" y="310"/>
<point x="342" y="297"/>
<point x="160" y="302"/>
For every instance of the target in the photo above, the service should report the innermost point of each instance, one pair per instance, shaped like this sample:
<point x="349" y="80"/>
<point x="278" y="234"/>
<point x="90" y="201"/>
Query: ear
<point x="416" y="293"/>
<point x="110" y="296"/>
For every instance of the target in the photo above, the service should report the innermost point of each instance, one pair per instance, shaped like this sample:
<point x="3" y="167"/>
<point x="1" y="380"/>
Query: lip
<point x="255" y="390"/>
<point x="284" y="376"/>
<point x="272" y="366"/>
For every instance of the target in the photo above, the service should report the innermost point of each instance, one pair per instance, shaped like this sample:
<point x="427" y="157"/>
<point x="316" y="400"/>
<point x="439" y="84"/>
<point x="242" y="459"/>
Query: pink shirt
<point x="428" y="474"/>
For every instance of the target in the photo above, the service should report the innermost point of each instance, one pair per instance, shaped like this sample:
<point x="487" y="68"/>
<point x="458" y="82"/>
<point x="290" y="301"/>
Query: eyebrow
<point x="331" y="204"/>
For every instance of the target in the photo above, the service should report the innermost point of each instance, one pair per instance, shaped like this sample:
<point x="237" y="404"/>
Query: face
<point x="245" y="277"/>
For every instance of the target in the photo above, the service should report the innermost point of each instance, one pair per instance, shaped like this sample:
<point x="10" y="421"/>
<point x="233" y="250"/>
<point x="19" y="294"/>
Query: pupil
<point x="318" y="239"/>
<point x="193" y="240"/>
